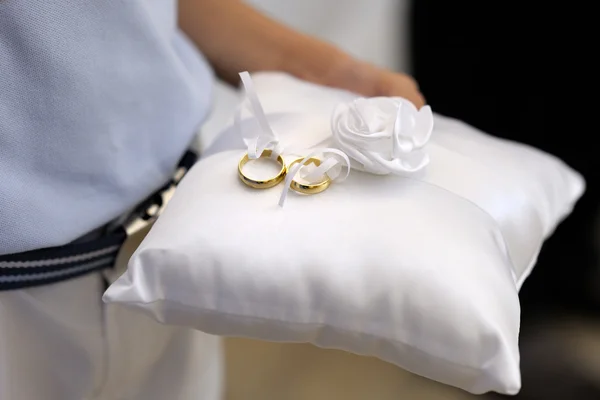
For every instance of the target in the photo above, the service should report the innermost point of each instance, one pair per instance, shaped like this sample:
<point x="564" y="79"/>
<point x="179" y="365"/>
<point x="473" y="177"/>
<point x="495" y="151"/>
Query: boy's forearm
<point x="235" y="37"/>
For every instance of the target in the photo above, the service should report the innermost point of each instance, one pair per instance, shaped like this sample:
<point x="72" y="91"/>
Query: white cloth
<point x="535" y="180"/>
<point x="383" y="135"/>
<point x="60" y="342"/>
<point x="421" y="271"/>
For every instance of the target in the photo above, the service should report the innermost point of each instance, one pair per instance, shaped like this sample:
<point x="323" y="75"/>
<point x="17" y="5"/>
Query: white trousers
<point x="60" y="342"/>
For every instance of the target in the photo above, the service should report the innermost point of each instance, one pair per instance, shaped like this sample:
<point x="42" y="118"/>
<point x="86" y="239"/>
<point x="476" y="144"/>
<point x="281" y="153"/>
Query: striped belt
<point x="56" y="264"/>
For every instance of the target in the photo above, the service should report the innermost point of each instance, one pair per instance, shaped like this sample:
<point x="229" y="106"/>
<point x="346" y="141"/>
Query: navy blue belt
<point x="56" y="264"/>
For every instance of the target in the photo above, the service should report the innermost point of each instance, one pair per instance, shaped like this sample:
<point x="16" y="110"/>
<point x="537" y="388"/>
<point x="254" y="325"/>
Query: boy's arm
<point x="235" y="37"/>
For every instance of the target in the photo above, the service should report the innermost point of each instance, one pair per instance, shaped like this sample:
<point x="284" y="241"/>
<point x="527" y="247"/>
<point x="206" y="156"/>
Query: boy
<point x="98" y="102"/>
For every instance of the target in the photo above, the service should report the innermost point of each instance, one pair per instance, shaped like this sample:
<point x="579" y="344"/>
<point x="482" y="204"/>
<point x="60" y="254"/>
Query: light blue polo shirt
<point x="98" y="101"/>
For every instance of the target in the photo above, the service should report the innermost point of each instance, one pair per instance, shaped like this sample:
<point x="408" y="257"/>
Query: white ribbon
<point x="325" y="168"/>
<point x="265" y="138"/>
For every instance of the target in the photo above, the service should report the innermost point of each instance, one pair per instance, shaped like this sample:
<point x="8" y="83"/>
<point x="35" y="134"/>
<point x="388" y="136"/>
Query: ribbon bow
<point x="265" y="138"/>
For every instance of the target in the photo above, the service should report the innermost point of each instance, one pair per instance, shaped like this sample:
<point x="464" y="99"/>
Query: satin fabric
<point x="420" y="271"/>
<point x="527" y="192"/>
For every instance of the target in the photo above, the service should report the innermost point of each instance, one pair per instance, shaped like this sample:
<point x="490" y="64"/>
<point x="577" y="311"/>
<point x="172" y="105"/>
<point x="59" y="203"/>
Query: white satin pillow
<point x="422" y="272"/>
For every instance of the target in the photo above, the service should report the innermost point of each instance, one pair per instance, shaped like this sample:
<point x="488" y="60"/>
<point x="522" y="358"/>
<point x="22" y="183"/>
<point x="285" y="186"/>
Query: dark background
<point x="495" y="65"/>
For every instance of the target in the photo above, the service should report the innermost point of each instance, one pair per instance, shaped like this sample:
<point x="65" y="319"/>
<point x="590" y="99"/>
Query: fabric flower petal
<point x="383" y="135"/>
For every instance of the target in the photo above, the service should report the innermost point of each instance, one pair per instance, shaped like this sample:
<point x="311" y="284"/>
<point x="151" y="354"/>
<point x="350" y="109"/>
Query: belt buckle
<point x="140" y="221"/>
<point x="137" y="227"/>
<point x="153" y="207"/>
<point x="148" y="216"/>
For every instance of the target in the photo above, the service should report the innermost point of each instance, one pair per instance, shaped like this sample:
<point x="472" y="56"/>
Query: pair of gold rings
<point x="312" y="188"/>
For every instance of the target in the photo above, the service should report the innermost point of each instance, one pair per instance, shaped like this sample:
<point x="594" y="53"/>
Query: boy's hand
<point x="371" y="81"/>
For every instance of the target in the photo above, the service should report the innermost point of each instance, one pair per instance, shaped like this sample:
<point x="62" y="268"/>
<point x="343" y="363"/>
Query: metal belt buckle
<point x="153" y="208"/>
<point x="139" y="224"/>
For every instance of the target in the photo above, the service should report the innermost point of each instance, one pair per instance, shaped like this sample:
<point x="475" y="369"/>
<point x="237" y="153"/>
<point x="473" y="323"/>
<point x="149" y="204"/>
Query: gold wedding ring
<point x="269" y="183"/>
<point x="312" y="188"/>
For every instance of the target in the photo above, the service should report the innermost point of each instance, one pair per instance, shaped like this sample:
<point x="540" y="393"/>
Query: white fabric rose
<point x="383" y="135"/>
